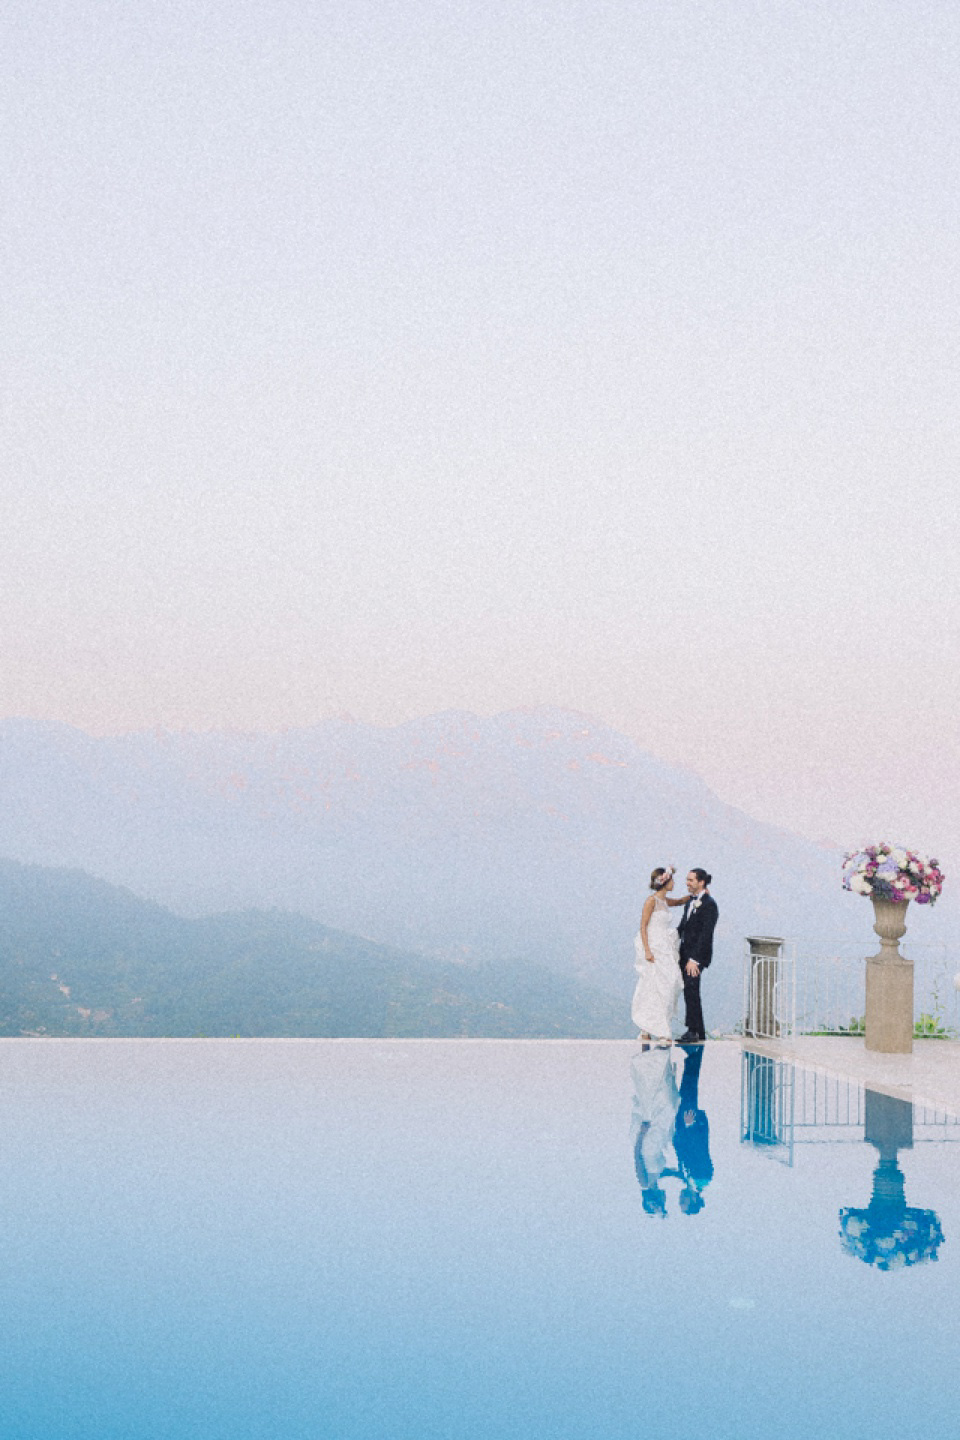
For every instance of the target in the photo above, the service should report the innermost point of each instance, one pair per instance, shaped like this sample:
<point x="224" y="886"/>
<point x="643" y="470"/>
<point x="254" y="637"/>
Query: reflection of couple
<point x="664" y="1116"/>
<point x="669" y="960"/>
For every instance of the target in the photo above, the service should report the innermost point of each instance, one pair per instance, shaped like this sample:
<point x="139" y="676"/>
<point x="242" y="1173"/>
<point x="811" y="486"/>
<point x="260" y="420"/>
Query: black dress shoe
<point x="688" y="1038"/>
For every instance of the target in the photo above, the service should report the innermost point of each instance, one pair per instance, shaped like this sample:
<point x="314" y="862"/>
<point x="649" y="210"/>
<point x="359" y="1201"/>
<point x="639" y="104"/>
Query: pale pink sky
<point x="390" y="360"/>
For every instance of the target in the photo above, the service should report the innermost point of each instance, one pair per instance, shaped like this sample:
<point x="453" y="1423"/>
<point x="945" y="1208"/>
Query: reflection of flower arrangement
<point x="914" y="1237"/>
<point x="890" y="872"/>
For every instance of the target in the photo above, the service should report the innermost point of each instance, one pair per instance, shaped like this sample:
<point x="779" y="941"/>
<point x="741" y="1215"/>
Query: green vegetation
<point x="79" y="957"/>
<point x="855" y="1027"/>
<point x="926" y="1027"/>
<point x="931" y="1027"/>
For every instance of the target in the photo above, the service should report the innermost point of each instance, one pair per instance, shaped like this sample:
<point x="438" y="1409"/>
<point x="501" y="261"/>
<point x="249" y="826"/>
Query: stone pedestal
<point x="889" y="1011"/>
<point x="889" y="1021"/>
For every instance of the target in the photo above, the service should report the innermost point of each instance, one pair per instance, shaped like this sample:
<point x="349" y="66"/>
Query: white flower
<point x="914" y="868"/>
<point x="861" y="885"/>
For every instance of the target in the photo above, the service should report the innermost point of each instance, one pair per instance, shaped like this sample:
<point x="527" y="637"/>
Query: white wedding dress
<point x="660" y="985"/>
<point x="656" y="1101"/>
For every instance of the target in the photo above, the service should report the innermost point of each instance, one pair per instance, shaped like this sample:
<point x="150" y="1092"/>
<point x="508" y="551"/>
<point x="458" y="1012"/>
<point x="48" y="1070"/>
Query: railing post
<point x="765" y="953"/>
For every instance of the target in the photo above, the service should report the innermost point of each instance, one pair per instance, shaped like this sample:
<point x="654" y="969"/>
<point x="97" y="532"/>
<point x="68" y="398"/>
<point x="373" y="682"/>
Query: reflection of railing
<point x="783" y="1105"/>
<point x="829" y="1108"/>
<point x="831" y="988"/>
<point x="767" y="1105"/>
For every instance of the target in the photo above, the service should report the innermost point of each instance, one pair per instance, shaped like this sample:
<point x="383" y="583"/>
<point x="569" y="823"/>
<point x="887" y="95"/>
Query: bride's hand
<point x="648" y="957"/>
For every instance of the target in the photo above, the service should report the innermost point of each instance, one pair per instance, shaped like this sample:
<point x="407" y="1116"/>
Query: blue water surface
<point x="359" y="1239"/>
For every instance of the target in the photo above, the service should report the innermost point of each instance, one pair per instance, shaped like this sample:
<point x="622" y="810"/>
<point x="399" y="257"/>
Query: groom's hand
<point x="693" y="969"/>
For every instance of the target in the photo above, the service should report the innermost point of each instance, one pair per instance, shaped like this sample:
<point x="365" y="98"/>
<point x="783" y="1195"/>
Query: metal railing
<point x="769" y="988"/>
<point x="831" y="988"/>
<point x="785" y="995"/>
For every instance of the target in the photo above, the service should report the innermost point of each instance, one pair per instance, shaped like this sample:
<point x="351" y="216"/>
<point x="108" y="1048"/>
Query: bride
<point x="659" y="981"/>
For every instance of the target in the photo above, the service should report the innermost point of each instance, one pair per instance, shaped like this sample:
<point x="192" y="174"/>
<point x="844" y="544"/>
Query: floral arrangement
<point x="891" y="872"/>
<point x="893" y="1246"/>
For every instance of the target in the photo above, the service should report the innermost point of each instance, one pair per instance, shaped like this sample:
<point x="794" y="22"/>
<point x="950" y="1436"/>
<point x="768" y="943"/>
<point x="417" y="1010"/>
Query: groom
<point x="696" y="950"/>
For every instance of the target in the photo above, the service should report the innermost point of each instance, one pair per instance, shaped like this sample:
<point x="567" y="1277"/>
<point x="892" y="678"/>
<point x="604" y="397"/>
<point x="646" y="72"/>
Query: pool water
<point x="461" y="1239"/>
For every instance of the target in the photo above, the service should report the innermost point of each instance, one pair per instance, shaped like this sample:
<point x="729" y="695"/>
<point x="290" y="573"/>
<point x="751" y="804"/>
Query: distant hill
<point x="529" y="835"/>
<point x="81" y="957"/>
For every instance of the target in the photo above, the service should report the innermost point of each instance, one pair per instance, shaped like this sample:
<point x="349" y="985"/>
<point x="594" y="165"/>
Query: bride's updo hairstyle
<point x="660" y="876"/>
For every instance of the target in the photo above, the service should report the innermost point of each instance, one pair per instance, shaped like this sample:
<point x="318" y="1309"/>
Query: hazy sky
<point x="389" y="358"/>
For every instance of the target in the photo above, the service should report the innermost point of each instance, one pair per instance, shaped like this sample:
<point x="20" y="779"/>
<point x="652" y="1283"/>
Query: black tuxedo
<point x="691" y="1140"/>
<point x="695" y="933"/>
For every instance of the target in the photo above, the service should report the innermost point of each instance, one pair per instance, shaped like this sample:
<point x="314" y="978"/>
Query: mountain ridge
<point x="528" y="834"/>
<point x="81" y="957"/>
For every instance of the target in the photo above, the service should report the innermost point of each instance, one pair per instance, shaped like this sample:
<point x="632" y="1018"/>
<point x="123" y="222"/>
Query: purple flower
<point x="892" y="872"/>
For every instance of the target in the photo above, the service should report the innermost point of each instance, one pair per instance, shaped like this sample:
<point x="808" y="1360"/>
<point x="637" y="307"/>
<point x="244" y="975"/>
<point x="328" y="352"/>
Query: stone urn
<point x="889" y="1008"/>
<point x="890" y="923"/>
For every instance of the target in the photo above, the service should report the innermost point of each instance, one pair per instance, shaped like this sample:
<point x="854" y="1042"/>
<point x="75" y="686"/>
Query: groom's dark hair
<point x="702" y="875"/>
